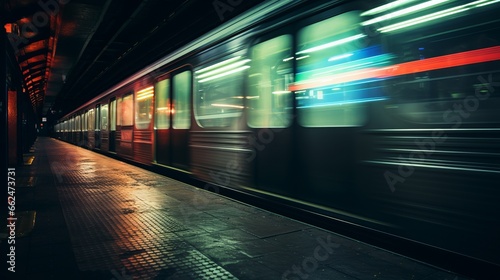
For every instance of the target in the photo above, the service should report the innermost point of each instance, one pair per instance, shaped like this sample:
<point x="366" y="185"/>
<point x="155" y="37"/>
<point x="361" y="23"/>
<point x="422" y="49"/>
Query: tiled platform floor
<point x="98" y="218"/>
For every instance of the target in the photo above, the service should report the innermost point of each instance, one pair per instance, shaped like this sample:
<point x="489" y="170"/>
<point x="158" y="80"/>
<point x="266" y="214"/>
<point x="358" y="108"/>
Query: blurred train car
<point x="380" y="114"/>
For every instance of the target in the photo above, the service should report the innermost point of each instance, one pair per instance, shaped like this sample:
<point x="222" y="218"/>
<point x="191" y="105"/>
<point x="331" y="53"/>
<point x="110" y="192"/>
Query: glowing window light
<point x="436" y="15"/>
<point x="223" y="69"/>
<point x="337" y="57"/>
<point x="225" y="74"/>
<point x="405" y="11"/>
<point x="386" y="7"/>
<point x="333" y="44"/>
<point x="290" y="58"/>
<point x="227" y="61"/>
<point x="227" y="105"/>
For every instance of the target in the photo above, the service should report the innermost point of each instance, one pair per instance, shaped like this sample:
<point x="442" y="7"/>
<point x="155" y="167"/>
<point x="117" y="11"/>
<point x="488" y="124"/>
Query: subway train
<point x="380" y="115"/>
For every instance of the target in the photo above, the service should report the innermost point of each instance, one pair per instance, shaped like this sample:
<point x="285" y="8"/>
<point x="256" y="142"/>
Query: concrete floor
<point x="98" y="218"/>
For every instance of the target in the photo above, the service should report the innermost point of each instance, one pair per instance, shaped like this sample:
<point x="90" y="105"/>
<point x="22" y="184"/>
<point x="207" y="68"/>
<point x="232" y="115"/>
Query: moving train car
<point x="382" y="115"/>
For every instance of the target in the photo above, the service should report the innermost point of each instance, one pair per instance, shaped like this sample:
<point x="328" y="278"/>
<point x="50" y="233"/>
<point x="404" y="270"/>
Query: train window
<point x="162" y="103"/>
<point x="104" y="117"/>
<point x="125" y="112"/>
<point x="112" y="115"/>
<point x="446" y="56"/>
<point x="144" y="108"/>
<point x="219" y="93"/>
<point x="269" y="99"/>
<point x="333" y="57"/>
<point x="91" y="120"/>
<point x="182" y="100"/>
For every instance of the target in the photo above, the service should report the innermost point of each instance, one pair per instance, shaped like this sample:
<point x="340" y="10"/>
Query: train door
<point x="173" y="119"/>
<point x="270" y="111"/>
<point x="77" y="130"/>
<point x="125" y="125"/>
<point x="143" y="128"/>
<point x="104" y="125"/>
<point x="97" y="129"/>
<point x="91" y="129"/>
<point x="112" y="124"/>
<point x="71" y="129"/>
<point x="85" y="123"/>
<point x="162" y="122"/>
<point x="333" y="99"/>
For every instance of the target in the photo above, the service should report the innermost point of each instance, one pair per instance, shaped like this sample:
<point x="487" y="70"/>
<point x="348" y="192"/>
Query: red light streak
<point x="417" y="66"/>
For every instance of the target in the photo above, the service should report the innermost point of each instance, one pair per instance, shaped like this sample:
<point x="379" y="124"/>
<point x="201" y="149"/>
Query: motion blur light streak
<point x="333" y="44"/>
<point x="403" y="12"/>
<point x="227" y="61"/>
<point x="224" y="74"/>
<point x="386" y="7"/>
<point x="227" y="106"/>
<point x="445" y="61"/>
<point x="145" y="93"/>
<point x="428" y="64"/>
<point x="223" y="69"/>
<point x="338" y="57"/>
<point x="433" y="16"/>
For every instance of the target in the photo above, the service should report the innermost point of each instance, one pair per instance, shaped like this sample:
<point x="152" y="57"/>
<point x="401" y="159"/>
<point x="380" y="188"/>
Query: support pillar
<point x="3" y="124"/>
<point x="12" y="128"/>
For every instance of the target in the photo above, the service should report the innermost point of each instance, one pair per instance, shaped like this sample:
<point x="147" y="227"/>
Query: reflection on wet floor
<point x="127" y="223"/>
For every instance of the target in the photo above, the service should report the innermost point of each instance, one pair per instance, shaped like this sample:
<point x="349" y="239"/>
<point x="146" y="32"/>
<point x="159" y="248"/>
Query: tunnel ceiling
<point x="69" y="51"/>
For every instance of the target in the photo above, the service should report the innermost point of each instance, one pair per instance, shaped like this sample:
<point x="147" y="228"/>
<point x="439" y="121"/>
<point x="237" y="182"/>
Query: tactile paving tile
<point x="118" y="222"/>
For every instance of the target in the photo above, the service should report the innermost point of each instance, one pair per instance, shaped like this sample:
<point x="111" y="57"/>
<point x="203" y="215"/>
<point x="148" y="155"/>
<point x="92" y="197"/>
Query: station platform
<point x="88" y="216"/>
